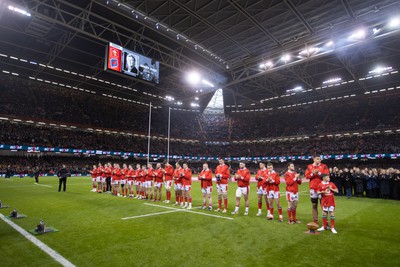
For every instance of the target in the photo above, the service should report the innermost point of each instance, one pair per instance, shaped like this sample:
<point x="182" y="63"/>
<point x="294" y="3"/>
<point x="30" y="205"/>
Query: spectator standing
<point x="372" y="184"/>
<point x="384" y="179"/>
<point x="348" y="181"/>
<point x="336" y="179"/>
<point x="358" y="183"/>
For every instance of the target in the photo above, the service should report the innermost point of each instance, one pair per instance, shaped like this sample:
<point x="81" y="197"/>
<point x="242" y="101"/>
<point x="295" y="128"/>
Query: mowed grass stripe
<point x="92" y="232"/>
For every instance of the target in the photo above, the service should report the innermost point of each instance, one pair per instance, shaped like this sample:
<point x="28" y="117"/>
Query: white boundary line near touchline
<point x="52" y="253"/>
<point x="44" y="185"/>
<point x="150" y="214"/>
<point x="18" y="186"/>
<point x="189" y="211"/>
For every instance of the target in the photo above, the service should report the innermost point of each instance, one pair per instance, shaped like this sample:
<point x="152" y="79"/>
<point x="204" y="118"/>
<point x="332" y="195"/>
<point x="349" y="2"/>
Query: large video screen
<point x="125" y="61"/>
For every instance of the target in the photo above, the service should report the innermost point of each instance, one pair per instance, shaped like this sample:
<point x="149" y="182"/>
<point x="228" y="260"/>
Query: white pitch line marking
<point x="190" y="211"/>
<point x="44" y="185"/>
<point x="18" y="186"/>
<point x="51" y="252"/>
<point x="150" y="214"/>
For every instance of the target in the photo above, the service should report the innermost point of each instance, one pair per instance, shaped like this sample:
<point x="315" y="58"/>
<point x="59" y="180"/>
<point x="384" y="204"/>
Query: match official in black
<point x="62" y="174"/>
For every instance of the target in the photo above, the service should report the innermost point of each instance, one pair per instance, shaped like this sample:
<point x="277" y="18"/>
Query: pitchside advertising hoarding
<point x="122" y="60"/>
<point x="38" y="149"/>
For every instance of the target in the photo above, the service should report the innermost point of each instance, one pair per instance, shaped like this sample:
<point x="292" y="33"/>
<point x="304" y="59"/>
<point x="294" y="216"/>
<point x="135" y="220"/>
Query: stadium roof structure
<point x="263" y="54"/>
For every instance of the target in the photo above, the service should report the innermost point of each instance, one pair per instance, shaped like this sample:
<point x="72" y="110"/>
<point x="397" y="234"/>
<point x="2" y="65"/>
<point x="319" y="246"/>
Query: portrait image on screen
<point x="131" y="63"/>
<point x="148" y="69"/>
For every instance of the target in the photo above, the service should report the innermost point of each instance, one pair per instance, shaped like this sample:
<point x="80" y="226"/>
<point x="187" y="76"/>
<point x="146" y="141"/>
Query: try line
<point x="51" y="252"/>
<point x="189" y="211"/>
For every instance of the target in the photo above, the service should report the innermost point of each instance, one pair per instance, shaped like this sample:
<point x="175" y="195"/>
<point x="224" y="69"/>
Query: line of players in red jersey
<point x="145" y="182"/>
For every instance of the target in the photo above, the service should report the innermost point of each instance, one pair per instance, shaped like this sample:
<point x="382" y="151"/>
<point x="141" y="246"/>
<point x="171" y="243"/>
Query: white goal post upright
<point x="149" y="136"/>
<point x="169" y="131"/>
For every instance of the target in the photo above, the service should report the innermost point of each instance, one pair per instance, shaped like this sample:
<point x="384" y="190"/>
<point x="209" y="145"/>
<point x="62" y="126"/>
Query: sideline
<point x="51" y="252"/>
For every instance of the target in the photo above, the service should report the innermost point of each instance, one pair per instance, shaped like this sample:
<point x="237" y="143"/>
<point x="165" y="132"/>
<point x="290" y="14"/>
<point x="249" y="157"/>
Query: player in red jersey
<point x="169" y="173"/>
<point x="272" y="182"/>
<point x="124" y="180"/>
<point x="292" y="192"/>
<point x="313" y="173"/>
<point x="159" y="179"/>
<point x="143" y="182"/>
<point x="187" y="186"/>
<point x="103" y="184"/>
<point x="262" y="190"/>
<point x="242" y="177"/>
<point x="138" y="183"/>
<point x="222" y="175"/>
<point x="116" y="178"/>
<point x="178" y="184"/>
<point x="326" y="189"/>
<point x="108" y="172"/>
<point x="93" y="172"/>
<point x="205" y="178"/>
<point x="150" y="174"/>
<point x="99" y="177"/>
<point x="130" y="174"/>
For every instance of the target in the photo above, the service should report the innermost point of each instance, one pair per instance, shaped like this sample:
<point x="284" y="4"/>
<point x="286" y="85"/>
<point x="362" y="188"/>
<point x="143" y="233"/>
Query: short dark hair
<point x="269" y="164"/>
<point x="289" y="163"/>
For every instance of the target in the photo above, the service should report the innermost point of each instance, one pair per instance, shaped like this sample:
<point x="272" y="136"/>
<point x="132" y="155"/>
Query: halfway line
<point x="189" y="211"/>
<point x="51" y="252"/>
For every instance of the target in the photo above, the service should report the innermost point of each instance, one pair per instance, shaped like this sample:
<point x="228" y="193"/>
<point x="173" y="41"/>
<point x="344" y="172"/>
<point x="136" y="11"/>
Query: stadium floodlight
<point x="376" y="30"/>
<point x="379" y="70"/>
<point x="329" y="44"/>
<point x="179" y="103"/>
<point x="394" y="22"/>
<point x="358" y="35"/>
<point x="332" y="80"/>
<point x="267" y="64"/>
<point x="19" y="10"/>
<point x="285" y="58"/>
<point x="169" y="98"/>
<point x="196" y="98"/>
<point x="207" y="83"/>
<point x="193" y="77"/>
<point x="194" y="105"/>
<point x="295" y="90"/>
<point x="309" y="51"/>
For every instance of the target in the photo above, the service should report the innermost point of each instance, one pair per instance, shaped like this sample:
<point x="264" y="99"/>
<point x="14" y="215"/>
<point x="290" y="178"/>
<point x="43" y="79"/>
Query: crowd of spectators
<point x="347" y="115"/>
<point x="29" y="99"/>
<point x="369" y="182"/>
<point x="13" y="133"/>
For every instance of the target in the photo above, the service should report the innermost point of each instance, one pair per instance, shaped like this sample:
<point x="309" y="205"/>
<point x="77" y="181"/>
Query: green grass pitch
<point x="92" y="232"/>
